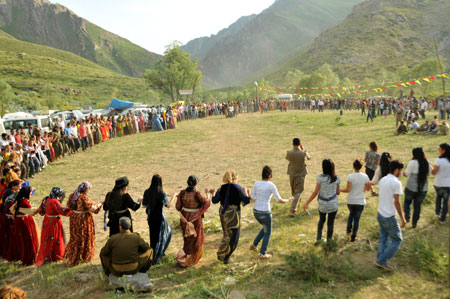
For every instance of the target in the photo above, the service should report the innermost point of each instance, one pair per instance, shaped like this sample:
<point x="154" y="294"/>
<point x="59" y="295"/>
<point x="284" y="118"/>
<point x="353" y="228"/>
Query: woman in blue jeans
<point x="441" y="171"/>
<point x="357" y="183"/>
<point x="262" y="192"/>
<point x="328" y="189"/>
<point x="417" y="171"/>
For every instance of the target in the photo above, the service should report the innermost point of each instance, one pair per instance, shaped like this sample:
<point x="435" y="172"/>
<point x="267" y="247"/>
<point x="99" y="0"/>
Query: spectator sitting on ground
<point x="433" y="128"/>
<point x="402" y="129"/>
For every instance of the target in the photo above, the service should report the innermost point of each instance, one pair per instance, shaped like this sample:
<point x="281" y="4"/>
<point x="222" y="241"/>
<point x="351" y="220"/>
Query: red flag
<point x="432" y="77"/>
<point x="384" y="87"/>
<point x="398" y="85"/>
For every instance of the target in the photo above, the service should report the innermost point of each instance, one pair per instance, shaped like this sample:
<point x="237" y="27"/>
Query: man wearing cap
<point x="126" y="253"/>
<point x="297" y="172"/>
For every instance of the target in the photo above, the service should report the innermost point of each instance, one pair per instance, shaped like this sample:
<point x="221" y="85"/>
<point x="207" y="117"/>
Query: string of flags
<point x="356" y="89"/>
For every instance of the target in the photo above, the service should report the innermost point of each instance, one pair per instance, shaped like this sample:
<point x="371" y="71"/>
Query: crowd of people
<point x="126" y="252"/>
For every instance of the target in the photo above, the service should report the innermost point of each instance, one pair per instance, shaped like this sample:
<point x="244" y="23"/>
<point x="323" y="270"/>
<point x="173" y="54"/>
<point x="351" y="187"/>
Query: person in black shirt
<point x="231" y="196"/>
<point x="117" y="203"/>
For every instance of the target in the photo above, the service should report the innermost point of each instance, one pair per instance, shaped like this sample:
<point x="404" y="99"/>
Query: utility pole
<point x="440" y="65"/>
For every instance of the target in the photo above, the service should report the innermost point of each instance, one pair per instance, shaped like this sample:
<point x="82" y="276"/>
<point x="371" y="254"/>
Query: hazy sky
<point x="153" y="24"/>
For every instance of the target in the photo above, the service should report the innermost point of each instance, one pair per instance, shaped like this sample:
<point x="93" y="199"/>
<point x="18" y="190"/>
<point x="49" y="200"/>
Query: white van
<point x="2" y="127"/>
<point x="67" y="115"/>
<point x="20" y="119"/>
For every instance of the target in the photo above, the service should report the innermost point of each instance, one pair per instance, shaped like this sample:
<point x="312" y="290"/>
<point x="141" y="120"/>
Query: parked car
<point x="21" y="119"/>
<point x="2" y="127"/>
<point x="67" y="115"/>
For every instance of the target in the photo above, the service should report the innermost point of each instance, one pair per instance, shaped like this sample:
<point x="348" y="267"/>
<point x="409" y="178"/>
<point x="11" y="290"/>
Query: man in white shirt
<point x="389" y="203"/>
<point x="423" y="108"/>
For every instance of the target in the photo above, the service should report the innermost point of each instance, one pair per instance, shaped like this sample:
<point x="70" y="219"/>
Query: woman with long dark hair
<point x="53" y="244"/>
<point x="441" y="171"/>
<point x="328" y="189"/>
<point x="382" y="169"/>
<point x="231" y="196"/>
<point x="81" y="247"/>
<point x="417" y="171"/>
<point x="160" y="232"/>
<point x="192" y="205"/>
<point x="117" y="203"/>
<point x="25" y="233"/>
<point x="357" y="183"/>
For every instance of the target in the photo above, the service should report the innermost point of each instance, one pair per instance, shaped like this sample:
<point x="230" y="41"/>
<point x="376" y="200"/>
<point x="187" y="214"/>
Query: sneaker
<point x="265" y="256"/>
<point x="384" y="266"/>
<point x="414" y="226"/>
<point x="253" y="248"/>
<point x="442" y="222"/>
<point x="292" y="214"/>
<point x="354" y="239"/>
<point x="318" y="242"/>
<point x="437" y="216"/>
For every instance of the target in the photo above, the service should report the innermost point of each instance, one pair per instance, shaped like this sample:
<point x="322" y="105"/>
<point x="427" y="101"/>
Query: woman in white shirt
<point x="262" y="192"/>
<point x="328" y="189"/>
<point x="357" y="183"/>
<point x="441" y="171"/>
<point x="417" y="172"/>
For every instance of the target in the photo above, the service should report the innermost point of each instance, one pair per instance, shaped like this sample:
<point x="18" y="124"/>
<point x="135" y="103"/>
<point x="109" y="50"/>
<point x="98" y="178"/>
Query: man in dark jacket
<point x="126" y="253"/>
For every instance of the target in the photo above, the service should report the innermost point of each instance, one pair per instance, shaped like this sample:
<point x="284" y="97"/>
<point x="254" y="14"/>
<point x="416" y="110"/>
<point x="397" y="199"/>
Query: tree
<point x="174" y="72"/>
<point x="6" y="96"/>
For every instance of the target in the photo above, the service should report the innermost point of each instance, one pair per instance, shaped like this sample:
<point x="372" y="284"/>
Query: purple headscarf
<point x="81" y="189"/>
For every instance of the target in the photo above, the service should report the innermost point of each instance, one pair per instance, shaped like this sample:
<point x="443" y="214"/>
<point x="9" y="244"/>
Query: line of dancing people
<point x="126" y="252"/>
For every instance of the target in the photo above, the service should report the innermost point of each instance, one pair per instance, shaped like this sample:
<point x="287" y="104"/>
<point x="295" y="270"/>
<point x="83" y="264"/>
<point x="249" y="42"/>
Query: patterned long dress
<point x="53" y="244"/>
<point x="196" y="205"/>
<point x="81" y="245"/>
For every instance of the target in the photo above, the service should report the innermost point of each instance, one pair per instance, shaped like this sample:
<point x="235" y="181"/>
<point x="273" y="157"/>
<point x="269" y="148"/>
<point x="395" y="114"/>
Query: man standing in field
<point x="389" y="202"/>
<point x="297" y="172"/>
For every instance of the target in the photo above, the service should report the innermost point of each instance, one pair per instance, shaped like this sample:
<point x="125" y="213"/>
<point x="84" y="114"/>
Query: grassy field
<point x="48" y="78"/>
<point x="298" y="269"/>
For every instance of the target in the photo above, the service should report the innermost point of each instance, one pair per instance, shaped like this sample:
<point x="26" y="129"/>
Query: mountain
<point x="47" y="78"/>
<point x="254" y="42"/>
<point x="41" y="22"/>
<point x="378" y="34"/>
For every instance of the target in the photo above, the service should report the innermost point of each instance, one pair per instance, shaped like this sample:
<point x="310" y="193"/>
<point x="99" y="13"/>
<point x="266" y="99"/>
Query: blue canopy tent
<point x="120" y="105"/>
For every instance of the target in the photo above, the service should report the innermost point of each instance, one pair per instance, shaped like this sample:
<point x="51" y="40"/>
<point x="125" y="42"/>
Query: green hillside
<point x="255" y="42"/>
<point x="378" y="34"/>
<point x="47" y="78"/>
<point x="41" y="22"/>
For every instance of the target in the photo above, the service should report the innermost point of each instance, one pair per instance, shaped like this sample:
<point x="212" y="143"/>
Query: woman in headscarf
<point x="53" y="245"/>
<point x="192" y="205"/>
<point x="120" y="126"/>
<point x="117" y="203"/>
<point x="81" y="245"/>
<point x="25" y="233"/>
<point x="160" y="233"/>
<point x="231" y="196"/>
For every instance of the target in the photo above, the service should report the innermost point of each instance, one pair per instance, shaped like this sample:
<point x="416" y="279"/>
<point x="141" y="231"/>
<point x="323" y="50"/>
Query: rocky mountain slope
<point x="255" y="42"/>
<point x="41" y="22"/>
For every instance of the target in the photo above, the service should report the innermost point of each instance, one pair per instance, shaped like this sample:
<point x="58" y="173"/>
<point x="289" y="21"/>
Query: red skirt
<point x="52" y="241"/>
<point x="26" y="239"/>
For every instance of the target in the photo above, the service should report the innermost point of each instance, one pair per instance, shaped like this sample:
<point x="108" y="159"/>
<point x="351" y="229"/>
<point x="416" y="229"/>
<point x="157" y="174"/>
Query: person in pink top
<point x="83" y="135"/>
